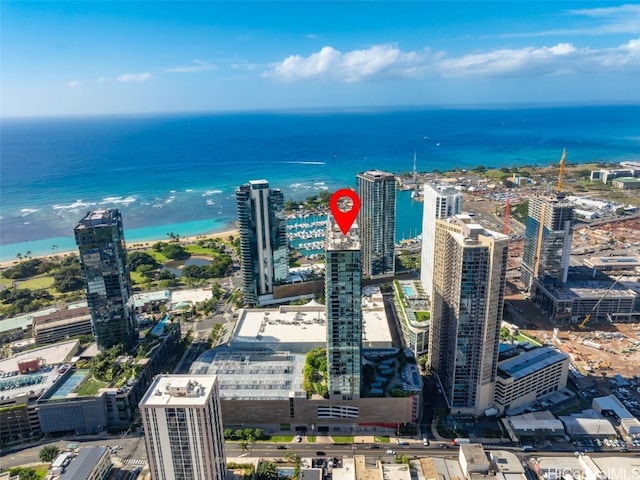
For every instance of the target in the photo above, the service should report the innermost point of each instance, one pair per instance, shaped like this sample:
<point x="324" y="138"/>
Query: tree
<point x="68" y="278"/>
<point x="137" y="259"/>
<point x="24" y="473"/>
<point x="267" y="471"/>
<point x="49" y="453"/>
<point x="175" y="252"/>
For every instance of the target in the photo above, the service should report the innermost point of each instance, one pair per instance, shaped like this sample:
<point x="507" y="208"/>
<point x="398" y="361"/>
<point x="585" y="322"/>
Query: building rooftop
<point x="627" y="180"/>
<point x="337" y="241"/>
<point x="82" y="465"/>
<point x="617" y="261"/>
<point x="506" y="461"/>
<point x="347" y="472"/>
<point x="591" y="289"/>
<point x="395" y="471"/>
<point x="543" y="420"/>
<point x="376" y="175"/>
<point x="141" y="299"/>
<point x="298" y="328"/>
<point x="53" y="354"/>
<point x="253" y="375"/>
<point x="475" y="456"/>
<point x="529" y="362"/>
<point x="611" y="403"/>
<point x="587" y="426"/>
<point x="100" y="217"/>
<point x="179" y="390"/>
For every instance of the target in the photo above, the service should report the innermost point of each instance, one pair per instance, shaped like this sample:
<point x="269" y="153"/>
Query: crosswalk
<point x="139" y="462"/>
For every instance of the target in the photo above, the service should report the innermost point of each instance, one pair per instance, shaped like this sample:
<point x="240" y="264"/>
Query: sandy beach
<point x="136" y="246"/>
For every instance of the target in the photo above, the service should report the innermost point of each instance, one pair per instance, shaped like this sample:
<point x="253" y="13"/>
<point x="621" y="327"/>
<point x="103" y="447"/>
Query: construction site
<point x="599" y="345"/>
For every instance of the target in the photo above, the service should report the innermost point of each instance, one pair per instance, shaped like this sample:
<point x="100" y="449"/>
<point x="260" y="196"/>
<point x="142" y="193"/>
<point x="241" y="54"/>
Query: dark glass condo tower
<point x="100" y="240"/>
<point x="344" y="311"/>
<point x="377" y="222"/>
<point x="263" y="240"/>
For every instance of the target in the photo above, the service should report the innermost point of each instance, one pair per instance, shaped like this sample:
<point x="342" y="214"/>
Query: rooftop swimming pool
<point x="158" y="330"/>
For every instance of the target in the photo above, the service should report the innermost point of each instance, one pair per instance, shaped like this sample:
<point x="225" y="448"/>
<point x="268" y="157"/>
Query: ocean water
<point x="178" y="173"/>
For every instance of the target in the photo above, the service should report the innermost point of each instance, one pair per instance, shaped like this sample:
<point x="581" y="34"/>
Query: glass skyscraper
<point x="103" y="259"/>
<point x="344" y="311"/>
<point x="547" y="241"/>
<point x="263" y="240"/>
<point x="377" y="221"/>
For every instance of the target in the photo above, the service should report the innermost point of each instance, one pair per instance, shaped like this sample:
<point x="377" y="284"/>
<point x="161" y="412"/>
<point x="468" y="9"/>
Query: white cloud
<point x="199" y="66"/>
<point x="562" y="58"/>
<point x="134" y="77"/>
<point x="386" y="61"/>
<point x="377" y="62"/>
<point x="73" y="84"/>
<point x="128" y="77"/>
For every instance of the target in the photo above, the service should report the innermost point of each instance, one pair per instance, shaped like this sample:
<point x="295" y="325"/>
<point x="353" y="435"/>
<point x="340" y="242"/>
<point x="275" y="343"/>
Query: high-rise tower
<point x="547" y="241"/>
<point x="263" y="240"/>
<point x="183" y="428"/>
<point x="344" y="315"/>
<point x="440" y="201"/>
<point x="468" y="294"/>
<point x="377" y="221"/>
<point x="103" y="254"/>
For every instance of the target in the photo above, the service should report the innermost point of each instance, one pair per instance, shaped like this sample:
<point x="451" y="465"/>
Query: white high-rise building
<point x="440" y="201"/>
<point x="466" y="311"/>
<point x="183" y="428"/>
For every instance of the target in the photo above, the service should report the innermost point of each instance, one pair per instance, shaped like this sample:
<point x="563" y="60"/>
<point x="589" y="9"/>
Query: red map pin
<point x="345" y="219"/>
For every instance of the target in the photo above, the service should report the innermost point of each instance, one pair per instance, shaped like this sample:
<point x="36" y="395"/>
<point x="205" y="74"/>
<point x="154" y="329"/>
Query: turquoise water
<point x="158" y="329"/>
<point x="178" y="173"/>
<point x="286" y="471"/>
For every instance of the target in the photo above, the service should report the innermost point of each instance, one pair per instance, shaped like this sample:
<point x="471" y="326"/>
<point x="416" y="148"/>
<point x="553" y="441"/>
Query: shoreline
<point x="132" y="247"/>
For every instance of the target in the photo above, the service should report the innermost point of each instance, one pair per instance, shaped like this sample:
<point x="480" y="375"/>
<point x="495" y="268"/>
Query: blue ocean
<point x="178" y="173"/>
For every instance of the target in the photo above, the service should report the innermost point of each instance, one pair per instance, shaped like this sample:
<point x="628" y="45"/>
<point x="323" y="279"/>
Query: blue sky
<point x="70" y="58"/>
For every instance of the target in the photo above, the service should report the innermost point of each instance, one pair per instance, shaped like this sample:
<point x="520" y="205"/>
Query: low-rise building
<point x="603" y="300"/>
<point x="19" y="392"/>
<point x="62" y="324"/>
<point x="530" y="375"/>
<point x="626" y="183"/>
<point x="62" y="408"/>
<point x="265" y="388"/>
<point x="606" y="175"/>
<point x="90" y="463"/>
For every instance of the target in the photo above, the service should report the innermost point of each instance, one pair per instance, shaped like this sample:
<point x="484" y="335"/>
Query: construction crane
<point x="588" y="315"/>
<point x="507" y="210"/>
<point x="561" y="172"/>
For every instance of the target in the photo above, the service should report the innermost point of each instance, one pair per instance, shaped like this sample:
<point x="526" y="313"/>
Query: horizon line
<point x="333" y="109"/>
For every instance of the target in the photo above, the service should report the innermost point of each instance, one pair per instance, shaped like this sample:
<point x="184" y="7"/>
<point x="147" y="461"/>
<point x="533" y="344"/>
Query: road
<point x="133" y="450"/>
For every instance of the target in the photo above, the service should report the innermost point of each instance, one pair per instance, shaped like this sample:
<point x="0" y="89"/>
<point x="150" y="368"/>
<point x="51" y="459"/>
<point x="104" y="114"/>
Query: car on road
<point x="373" y="446"/>
<point x="321" y="454"/>
<point x="425" y="442"/>
<point x="390" y="452"/>
<point x="281" y="447"/>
